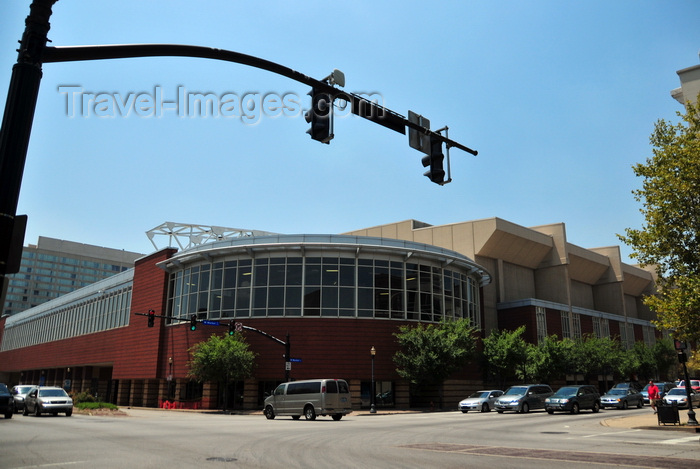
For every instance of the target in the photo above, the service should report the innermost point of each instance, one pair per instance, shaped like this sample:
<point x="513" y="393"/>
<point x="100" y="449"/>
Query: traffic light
<point x="231" y="328"/>
<point x="436" y="173"/>
<point x="320" y="116"/>
<point x="193" y="322"/>
<point x="151" y="318"/>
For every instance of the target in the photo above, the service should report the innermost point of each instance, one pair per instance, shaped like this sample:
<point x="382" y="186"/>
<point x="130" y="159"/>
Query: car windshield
<point x="566" y="392"/>
<point x="676" y="392"/>
<point x="516" y="391"/>
<point x="479" y="394"/>
<point x="618" y="392"/>
<point x="52" y="393"/>
<point x="23" y="389"/>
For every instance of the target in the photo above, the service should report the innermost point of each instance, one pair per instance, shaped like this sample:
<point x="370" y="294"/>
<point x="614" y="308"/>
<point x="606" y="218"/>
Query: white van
<point x="310" y="398"/>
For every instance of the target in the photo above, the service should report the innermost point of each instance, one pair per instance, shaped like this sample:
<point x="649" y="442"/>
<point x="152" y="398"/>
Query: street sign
<point x="211" y="323"/>
<point x="239" y="326"/>
<point x="415" y="139"/>
<point x="287" y="366"/>
<point x="295" y="360"/>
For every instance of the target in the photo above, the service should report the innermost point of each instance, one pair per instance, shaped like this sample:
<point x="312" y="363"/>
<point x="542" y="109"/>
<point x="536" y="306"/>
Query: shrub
<point x="81" y="397"/>
<point x="96" y="405"/>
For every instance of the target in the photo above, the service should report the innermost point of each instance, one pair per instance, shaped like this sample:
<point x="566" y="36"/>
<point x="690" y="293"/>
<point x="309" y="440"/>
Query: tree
<point x="220" y="359"/>
<point x="506" y="353"/>
<point x="429" y="354"/>
<point x="547" y="360"/>
<point x="670" y="239"/>
<point x="666" y="359"/>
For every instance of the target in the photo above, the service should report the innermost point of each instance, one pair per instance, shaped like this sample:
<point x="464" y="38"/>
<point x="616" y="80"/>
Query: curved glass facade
<point x="343" y="277"/>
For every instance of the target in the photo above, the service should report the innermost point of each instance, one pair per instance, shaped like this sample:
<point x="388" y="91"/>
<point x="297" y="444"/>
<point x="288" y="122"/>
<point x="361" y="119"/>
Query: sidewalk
<point x="649" y="421"/>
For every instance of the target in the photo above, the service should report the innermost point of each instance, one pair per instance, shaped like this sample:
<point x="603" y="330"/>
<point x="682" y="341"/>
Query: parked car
<point x="629" y="385"/>
<point x="679" y="397"/>
<point x="622" y="398"/>
<point x="573" y="399"/>
<point x="480" y="400"/>
<point x="7" y="404"/>
<point x="523" y="398"/>
<point x="19" y="392"/>
<point x="694" y="384"/>
<point x="47" y="399"/>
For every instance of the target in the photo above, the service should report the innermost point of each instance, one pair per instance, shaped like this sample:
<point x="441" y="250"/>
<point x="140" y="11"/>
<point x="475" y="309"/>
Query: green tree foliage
<point x="647" y="366"/>
<point x="669" y="239"/>
<point x="506" y="354"/>
<point x="221" y="359"/>
<point x="597" y="355"/>
<point x="548" y="360"/>
<point x="666" y="359"/>
<point x="429" y="354"/>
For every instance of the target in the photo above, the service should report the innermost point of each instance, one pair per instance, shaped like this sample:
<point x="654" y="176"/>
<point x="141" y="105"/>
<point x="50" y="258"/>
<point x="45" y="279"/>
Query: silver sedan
<point x="480" y="400"/>
<point x="679" y="397"/>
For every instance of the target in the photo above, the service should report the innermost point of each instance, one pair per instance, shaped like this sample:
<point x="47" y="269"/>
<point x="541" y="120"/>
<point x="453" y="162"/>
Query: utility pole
<point x="14" y="135"/>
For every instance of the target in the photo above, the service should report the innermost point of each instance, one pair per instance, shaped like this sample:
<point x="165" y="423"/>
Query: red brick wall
<point x="135" y="350"/>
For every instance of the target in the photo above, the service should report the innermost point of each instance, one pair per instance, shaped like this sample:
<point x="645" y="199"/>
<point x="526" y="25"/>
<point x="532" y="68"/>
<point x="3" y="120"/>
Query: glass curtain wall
<point x="328" y="286"/>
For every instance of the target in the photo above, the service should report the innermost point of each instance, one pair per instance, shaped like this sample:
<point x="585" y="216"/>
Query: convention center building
<point x="333" y="303"/>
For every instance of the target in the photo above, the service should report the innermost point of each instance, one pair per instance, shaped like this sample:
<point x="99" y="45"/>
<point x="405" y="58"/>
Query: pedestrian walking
<point x="653" y="391"/>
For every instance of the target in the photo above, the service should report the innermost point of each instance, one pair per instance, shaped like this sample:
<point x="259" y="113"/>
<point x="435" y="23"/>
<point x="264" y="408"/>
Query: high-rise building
<point x="54" y="267"/>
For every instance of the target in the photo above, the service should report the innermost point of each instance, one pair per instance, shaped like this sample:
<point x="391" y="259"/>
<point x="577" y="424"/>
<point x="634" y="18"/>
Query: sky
<point x="559" y="98"/>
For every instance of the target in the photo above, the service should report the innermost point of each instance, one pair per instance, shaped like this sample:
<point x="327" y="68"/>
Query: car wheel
<point x="499" y="411"/>
<point x="69" y="413"/>
<point x="309" y="412"/>
<point x="269" y="413"/>
<point x="9" y="414"/>
<point x="37" y="411"/>
<point x="465" y="411"/>
<point x="550" y="411"/>
<point x="485" y="407"/>
<point x="337" y="417"/>
<point x="25" y="411"/>
<point x="525" y="408"/>
<point x="640" y="404"/>
<point x="575" y="408"/>
<point x="296" y="417"/>
<point x="624" y="405"/>
<point x="596" y="408"/>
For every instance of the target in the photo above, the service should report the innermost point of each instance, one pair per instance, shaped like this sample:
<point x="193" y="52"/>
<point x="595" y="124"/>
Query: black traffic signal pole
<point x="360" y="106"/>
<point x="14" y="134"/>
<point x="287" y="345"/>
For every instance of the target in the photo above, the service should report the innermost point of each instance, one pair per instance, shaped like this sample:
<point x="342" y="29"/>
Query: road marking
<point x="52" y="464"/>
<point x="675" y="441"/>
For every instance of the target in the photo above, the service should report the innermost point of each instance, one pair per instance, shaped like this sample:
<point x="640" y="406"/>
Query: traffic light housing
<point x="434" y="160"/>
<point x="320" y="116"/>
<point x="231" y="328"/>
<point x="151" y="318"/>
<point x="193" y="322"/>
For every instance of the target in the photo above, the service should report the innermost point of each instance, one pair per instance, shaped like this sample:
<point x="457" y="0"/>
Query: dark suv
<point x="573" y="399"/>
<point x="7" y="403"/>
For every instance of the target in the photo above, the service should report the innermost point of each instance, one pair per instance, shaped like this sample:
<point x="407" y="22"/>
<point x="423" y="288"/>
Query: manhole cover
<point x="222" y="459"/>
<point x="555" y="433"/>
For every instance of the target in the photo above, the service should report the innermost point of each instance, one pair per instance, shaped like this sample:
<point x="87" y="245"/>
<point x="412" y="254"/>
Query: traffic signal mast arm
<point x="361" y="107"/>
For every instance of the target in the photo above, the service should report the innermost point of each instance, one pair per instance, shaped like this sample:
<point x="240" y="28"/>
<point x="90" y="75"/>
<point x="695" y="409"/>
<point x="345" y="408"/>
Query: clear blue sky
<point x="559" y="98"/>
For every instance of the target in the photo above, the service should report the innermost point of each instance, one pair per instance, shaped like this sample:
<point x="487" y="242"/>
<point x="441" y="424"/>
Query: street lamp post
<point x="372" y="410"/>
